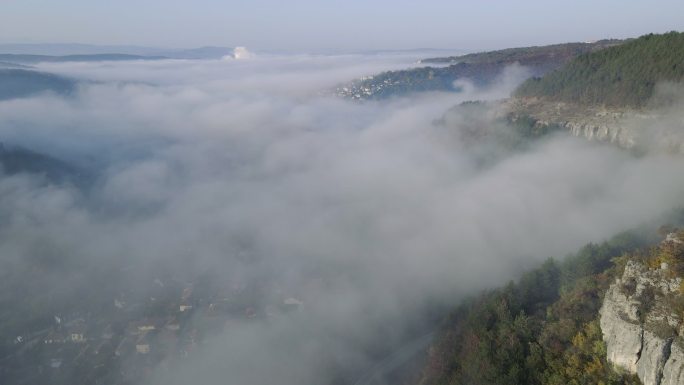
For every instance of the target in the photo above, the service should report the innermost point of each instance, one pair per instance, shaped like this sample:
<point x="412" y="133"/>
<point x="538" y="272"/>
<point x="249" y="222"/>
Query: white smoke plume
<point x="240" y="53"/>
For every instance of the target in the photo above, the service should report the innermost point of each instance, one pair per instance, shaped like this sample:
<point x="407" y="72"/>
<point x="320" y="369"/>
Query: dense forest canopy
<point x="623" y="75"/>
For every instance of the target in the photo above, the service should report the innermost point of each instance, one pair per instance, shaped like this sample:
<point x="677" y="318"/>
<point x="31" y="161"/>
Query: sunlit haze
<point x="333" y="26"/>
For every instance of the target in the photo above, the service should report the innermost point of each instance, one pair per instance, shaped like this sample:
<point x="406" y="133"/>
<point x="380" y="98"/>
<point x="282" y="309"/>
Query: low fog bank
<point x="294" y="75"/>
<point x="243" y="171"/>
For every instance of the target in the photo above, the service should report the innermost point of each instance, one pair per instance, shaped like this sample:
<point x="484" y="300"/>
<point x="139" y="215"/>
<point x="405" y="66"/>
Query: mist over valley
<point x="238" y="219"/>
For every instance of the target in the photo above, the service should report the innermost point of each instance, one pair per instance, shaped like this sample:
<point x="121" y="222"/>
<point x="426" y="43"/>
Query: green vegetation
<point x="526" y="127"/>
<point x="528" y="55"/>
<point x="624" y="75"/>
<point x="671" y="253"/>
<point x="541" y="330"/>
<point x="481" y="69"/>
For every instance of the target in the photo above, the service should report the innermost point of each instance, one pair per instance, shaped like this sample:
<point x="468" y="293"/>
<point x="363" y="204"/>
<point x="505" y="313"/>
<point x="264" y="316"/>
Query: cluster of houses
<point x="135" y="336"/>
<point x="139" y="336"/>
<point x="369" y="87"/>
<point x="73" y="331"/>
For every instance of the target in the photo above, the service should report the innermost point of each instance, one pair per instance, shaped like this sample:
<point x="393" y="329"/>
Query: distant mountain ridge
<point x="32" y="59"/>
<point x="527" y="54"/>
<point x="6" y="65"/>
<point x="61" y="49"/>
<point x="207" y="52"/>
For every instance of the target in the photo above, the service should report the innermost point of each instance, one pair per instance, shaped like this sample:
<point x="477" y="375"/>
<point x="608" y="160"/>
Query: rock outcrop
<point x="631" y="129"/>
<point x="640" y="328"/>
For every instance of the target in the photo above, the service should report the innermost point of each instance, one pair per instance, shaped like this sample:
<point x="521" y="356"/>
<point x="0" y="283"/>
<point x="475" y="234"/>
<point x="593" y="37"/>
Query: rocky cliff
<point x="642" y="324"/>
<point x="660" y="130"/>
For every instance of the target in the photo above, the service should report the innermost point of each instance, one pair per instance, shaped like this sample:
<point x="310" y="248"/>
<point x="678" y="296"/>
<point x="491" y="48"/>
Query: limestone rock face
<point x="673" y="372"/>
<point x="654" y="354"/>
<point x="621" y="135"/>
<point x="645" y="344"/>
<point x="621" y="331"/>
<point x="654" y="130"/>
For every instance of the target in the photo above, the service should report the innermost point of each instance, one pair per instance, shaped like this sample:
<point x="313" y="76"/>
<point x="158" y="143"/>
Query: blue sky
<point x="332" y="25"/>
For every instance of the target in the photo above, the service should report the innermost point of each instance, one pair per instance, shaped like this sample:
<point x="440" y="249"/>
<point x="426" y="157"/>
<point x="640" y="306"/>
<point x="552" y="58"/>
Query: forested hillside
<point x="541" y="330"/>
<point x="480" y="68"/>
<point x="624" y="75"/>
<point x="528" y="55"/>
